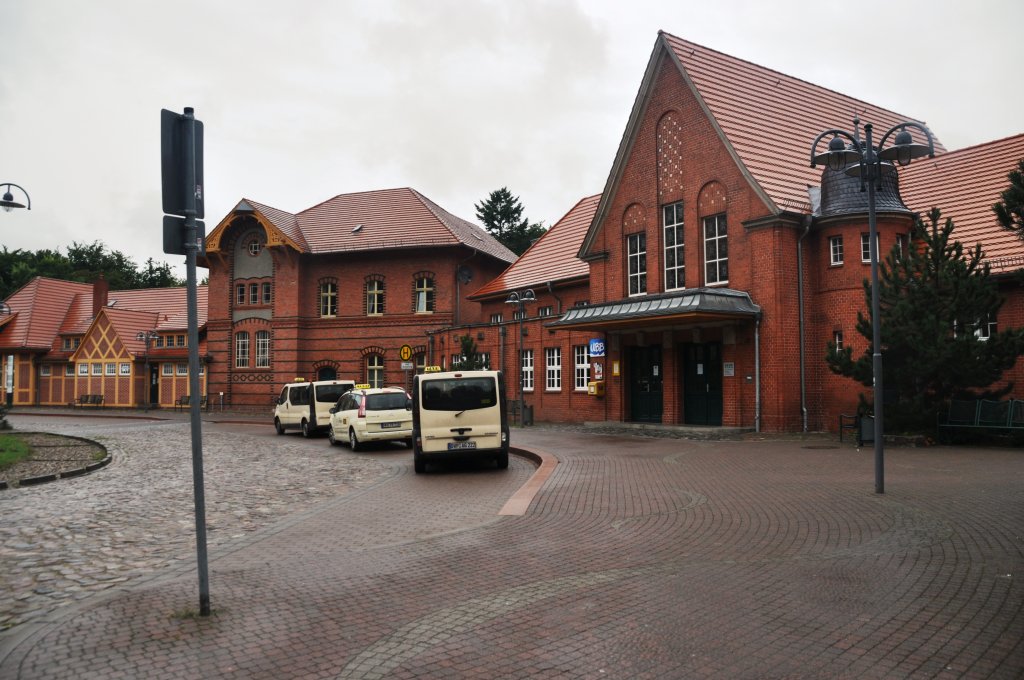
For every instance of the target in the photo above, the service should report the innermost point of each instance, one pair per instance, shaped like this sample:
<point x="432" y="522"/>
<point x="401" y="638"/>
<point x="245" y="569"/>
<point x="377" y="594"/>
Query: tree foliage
<point x="502" y="215"/>
<point x="1010" y="212"/>
<point x="935" y="303"/>
<point x="83" y="262"/>
<point x="470" y="358"/>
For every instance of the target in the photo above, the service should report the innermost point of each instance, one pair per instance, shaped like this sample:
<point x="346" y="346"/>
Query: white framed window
<point x="97" y="369"/>
<point x="374" y="298"/>
<point x="902" y="243"/>
<point x="835" y="244"/>
<point x="262" y="349"/>
<point x="110" y="369"/>
<point x="837" y="339"/>
<point x="517" y="315"/>
<point x="328" y="299"/>
<point x="126" y="368"/>
<point x="254" y="293"/>
<point x="456" y="361"/>
<point x="545" y="311"/>
<point x="375" y="370"/>
<point x="636" y="258"/>
<point x="716" y="250"/>
<point x="254" y="247"/>
<point x="240" y="294"/>
<point x="166" y="368"/>
<point x="83" y="369"/>
<point x="44" y="370"/>
<point x="182" y="368"/>
<point x="241" y="350"/>
<point x="69" y="370"/>
<point x="552" y="368"/>
<point x="865" y="247"/>
<point x="424" y="295"/>
<point x="985" y="328"/>
<point x="526" y="364"/>
<point x="675" y="262"/>
<point x="581" y="366"/>
<point x="495" y="318"/>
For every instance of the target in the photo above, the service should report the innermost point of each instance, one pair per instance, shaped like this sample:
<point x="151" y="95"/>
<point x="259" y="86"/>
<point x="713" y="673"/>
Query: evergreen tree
<point x="470" y="359"/>
<point x="935" y="303"/>
<point x="1010" y="212"/>
<point x="502" y="215"/>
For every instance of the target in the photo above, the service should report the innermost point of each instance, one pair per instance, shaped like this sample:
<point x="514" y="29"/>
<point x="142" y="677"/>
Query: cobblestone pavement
<point x="640" y="558"/>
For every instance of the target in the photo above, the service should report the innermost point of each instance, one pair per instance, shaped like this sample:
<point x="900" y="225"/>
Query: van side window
<point x="300" y="395"/>
<point x="284" y="396"/>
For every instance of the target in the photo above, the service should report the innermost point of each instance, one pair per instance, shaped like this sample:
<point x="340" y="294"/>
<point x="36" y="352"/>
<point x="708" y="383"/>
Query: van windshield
<point x="330" y="393"/>
<point x="384" y="402"/>
<point x="459" y="394"/>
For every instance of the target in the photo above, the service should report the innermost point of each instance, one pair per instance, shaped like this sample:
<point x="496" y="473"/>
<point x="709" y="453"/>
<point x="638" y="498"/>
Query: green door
<point x="702" y="384"/>
<point x="645" y="374"/>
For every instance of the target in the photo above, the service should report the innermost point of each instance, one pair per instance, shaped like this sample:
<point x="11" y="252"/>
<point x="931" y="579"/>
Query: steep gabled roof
<point x="39" y="310"/>
<point x="128" y="323"/>
<point x="171" y="304"/>
<point x="370" y="220"/>
<point x="964" y="184"/>
<point x="552" y="258"/>
<point x="767" y="121"/>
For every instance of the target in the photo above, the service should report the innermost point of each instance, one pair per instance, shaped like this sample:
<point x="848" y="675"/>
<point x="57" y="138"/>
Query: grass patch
<point x="12" y="450"/>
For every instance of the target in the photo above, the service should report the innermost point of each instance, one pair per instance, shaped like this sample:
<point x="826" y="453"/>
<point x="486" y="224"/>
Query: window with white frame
<point x="182" y="368"/>
<point x="485" y="360"/>
<point x="375" y="370"/>
<point x="328" y="298"/>
<point x="526" y="364"/>
<point x="374" y="297"/>
<point x="83" y="369"/>
<point x="254" y="293"/>
<point x="636" y="258"/>
<point x="242" y="350"/>
<point x="837" y="339"/>
<point x="675" y="262"/>
<point x="97" y="369"/>
<point x="985" y="328"/>
<point x="716" y="250"/>
<point x="44" y="370"/>
<point x="581" y="362"/>
<point x="424" y="291"/>
<point x="495" y="318"/>
<point x="517" y="315"/>
<point x="544" y="311"/>
<point x="552" y="368"/>
<point x="240" y="294"/>
<point x="836" y="247"/>
<point x="901" y="245"/>
<point x="166" y="368"/>
<point x="865" y="247"/>
<point x="262" y="349"/>
<point x="126" y="369"/>
<point x="110" y="369"/>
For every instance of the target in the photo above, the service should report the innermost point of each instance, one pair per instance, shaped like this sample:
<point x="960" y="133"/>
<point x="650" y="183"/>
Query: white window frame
<point x="44" y="370"/>
<point x="865" y="247"/>
<point x="375" y="370"/>
<point x="545" y="311"/>
<point x="110" y="368"/>
<point x="837" y="339"/>
<point x="375" y="292"/>
<point x="242" y="349"/>
<point x="984" y="330"/>
<point x="262" y="349"/>
<point x="552" y="369"/>
<point x="125" y="368"/>
<point x="581" y="365"/>
<point x="526" y="369"/>
<point x="97" y="369"/>
<point x="167" y="368"/>
<point x="835" y="245"/>
<point x="636" y="263"/>
<point x="181" y="368"/>
<point x="83" y="369"/>
<point x="240" y="294"/>
<point x="254" y="293"/>
<point x="495" y="318"/>
<point x="675" y="245"/>
<point x="719" y="238"/>
<point x="328" y="300"/>
<point x="426" y="296"/>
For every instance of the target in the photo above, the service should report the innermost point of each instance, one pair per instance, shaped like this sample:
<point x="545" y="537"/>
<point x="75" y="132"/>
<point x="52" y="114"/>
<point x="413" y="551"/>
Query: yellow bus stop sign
<point x="405" y="354"/>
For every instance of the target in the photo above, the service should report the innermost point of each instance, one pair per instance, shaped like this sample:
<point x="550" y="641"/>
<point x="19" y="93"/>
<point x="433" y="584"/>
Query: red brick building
<point x="337" y="290"/>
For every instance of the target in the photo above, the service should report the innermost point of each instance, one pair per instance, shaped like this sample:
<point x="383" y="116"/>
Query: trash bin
<point x="527" y="414"/>
<point x="867" y="430"/>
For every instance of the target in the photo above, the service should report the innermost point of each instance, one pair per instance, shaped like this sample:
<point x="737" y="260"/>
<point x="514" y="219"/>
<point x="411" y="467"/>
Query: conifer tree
<point x="470" y="358"/>
<point x="502" y="215"/>
<point x="936" y="302"/>
<point x="1010" y="212"/>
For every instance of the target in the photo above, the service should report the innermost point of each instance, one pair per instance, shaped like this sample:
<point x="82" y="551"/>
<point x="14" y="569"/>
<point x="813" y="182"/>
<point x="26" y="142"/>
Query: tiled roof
<point x="770" y="119"/>
<point x="552" y="257"/>
<point x="390" y="218"/>
<point x="44" y="308"/>
<point x="287" y="223"/>
<point x="40" y="308"/>
<point x="129" y="323"/>
<point x="964" y="184"/>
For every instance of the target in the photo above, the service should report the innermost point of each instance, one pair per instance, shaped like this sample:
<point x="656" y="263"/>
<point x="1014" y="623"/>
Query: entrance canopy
<point x="685" y="306"/>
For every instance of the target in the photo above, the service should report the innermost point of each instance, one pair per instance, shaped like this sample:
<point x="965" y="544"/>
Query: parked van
<point x="306" y="406"/>
<point x="459" y="415"/>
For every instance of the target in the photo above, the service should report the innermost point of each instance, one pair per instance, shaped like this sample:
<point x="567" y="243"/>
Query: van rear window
<point x="385" y="402"/>
<point x="459" y="394"/>
<point x="330" y="393"/>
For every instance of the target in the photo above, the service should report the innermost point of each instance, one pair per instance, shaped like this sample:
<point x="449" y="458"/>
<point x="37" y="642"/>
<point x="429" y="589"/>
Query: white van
<point x="306" y="406"/>
<point x="459" y="415"/>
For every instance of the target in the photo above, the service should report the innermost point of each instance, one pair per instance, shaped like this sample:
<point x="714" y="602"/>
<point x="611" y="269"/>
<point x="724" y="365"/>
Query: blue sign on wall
<point x="596" y="347"/>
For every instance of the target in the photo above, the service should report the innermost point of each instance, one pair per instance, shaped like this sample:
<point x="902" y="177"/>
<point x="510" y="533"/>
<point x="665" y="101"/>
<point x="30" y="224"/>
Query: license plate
<point x="387" y="426"/>
<point x="456" y="446"/>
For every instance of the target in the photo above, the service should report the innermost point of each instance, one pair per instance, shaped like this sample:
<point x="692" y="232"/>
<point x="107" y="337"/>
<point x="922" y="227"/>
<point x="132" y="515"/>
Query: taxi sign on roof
<point x="363" y="386"/>
<point x="432" y="369"/>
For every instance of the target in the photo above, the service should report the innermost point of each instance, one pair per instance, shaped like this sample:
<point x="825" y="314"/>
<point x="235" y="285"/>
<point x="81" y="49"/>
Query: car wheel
<point x="278" y="426"/>
<point x="353" y="441"/>
<point x="306" y="431"/>
<point x="502" y="461"/>
<point x="418" y="464"/>
<point x="330" y="436"/>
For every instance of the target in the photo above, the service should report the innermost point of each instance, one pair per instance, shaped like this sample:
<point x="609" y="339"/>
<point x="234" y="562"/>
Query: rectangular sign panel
<point x="596" y="347"/>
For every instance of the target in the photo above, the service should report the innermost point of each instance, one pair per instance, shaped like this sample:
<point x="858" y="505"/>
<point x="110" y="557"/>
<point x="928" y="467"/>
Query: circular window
<point x="254" y="246"/>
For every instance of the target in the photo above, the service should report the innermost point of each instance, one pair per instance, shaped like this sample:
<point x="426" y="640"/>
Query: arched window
<point x="423" y="294"/>
<point x="374" y="288"/>
<point x="375" y="370"/>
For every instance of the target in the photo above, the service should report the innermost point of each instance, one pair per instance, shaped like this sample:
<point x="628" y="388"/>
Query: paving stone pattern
<point x="639" y="558"/>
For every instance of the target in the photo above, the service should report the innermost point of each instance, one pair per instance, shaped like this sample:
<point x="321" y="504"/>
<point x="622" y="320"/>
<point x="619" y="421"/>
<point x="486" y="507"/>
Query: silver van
<point x="459" y="415"/>
<point x="306" y="406"/>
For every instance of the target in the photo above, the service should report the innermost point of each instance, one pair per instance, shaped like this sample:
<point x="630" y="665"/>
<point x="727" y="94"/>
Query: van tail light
<point x="362" y="409"/>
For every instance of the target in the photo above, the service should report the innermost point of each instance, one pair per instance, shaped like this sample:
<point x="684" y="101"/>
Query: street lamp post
<point x="520" y="298"/>
<point x="146" y="337"/>
<point x="863" y="159"/>
<point x="8" y="203"/>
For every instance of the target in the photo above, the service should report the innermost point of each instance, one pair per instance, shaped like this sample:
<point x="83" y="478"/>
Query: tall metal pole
<point x="522" y="406"/>
<point x="873" y="172"/>
<point x="191" y="248"/>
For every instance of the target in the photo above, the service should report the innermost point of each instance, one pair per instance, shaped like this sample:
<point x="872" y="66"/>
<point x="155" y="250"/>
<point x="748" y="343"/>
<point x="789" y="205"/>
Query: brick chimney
<point x="100" y="289"/>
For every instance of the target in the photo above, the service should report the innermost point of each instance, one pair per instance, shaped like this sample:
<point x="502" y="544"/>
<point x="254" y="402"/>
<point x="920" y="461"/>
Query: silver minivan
<point x="459" y="415"/>
<point x="306" y="406"/>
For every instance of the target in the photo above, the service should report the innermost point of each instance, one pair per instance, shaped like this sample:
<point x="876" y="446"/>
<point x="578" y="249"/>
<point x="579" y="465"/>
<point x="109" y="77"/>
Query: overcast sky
<point x="305" y="100"/>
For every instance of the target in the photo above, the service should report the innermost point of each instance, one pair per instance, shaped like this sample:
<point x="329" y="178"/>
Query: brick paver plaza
<point x="638" y="558"/>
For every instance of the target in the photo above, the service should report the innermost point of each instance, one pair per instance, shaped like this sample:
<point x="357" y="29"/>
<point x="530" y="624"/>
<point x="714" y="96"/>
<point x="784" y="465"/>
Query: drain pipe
<point x="551" y="291"/>
<point x="800" y="305"/>
<point x="757" y="373"/>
